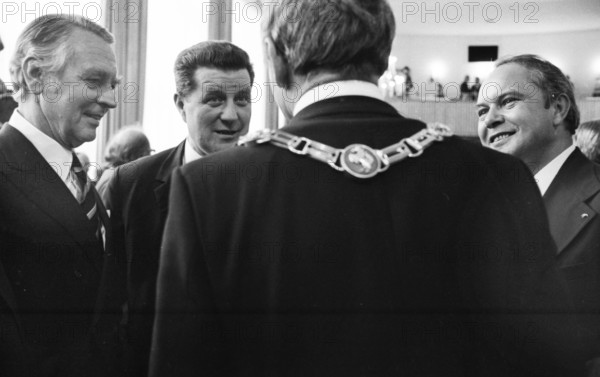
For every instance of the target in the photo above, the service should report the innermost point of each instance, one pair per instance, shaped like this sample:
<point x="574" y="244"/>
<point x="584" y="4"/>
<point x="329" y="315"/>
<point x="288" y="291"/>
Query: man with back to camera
<point x="527" y="109"/>
<point x="54" y="261"/>
<point x="213" y="81"/>
<point x="309" y="253"/>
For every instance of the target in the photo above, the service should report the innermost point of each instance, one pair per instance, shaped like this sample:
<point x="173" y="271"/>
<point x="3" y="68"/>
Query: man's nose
<point x="493" y="118"/>
<point x="229" y="112"/>
<point x="108" y="98"/>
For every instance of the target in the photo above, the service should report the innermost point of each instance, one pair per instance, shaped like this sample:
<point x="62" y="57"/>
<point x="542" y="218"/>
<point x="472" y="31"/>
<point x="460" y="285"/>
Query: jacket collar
<point x="163" y="176"/>
<point x="367" y="107"/>
<point x="173" y="160"/>
<point x="567" y="198"/>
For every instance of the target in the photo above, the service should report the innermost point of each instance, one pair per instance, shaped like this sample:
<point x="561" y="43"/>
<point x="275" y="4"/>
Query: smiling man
<point x="213" y="81"/>
<point x="53" y="262"/>
<point x="527" y="109"/>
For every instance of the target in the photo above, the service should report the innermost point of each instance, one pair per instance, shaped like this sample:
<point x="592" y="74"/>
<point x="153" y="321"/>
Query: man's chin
<point x="85" y="138"/>
<point x="223" y="146"/>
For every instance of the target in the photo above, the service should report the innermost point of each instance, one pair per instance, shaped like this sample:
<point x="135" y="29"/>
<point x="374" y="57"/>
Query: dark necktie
<point x="85" y="195"/>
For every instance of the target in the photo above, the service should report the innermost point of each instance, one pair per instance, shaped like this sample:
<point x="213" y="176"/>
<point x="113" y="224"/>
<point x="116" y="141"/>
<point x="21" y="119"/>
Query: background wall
<point x="576" y="53"/>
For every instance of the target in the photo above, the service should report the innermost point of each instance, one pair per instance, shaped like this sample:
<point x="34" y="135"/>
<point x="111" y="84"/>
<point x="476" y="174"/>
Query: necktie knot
<point x="79" y="172"/>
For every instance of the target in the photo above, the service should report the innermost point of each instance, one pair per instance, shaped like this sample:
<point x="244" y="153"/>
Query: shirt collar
<point x="337" y="89"/>
<point x="189" y="153"/>
<point x="57" y="156"/>
<point x="546" y="175"/>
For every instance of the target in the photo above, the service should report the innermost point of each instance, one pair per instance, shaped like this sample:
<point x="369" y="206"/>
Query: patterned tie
<point x="85" y="194"/>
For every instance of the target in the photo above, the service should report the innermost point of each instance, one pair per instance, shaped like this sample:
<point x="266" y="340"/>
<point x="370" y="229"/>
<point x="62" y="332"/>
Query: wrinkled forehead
<point x="224" y="81"/>
<point x="88" y="50"/>
<point x="226" y="86"/>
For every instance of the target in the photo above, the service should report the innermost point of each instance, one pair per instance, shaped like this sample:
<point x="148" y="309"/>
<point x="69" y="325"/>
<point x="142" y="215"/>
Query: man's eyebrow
<point x="498" y="98"/>
<point x="101" y="74"/>
<point x="512" y="92"/>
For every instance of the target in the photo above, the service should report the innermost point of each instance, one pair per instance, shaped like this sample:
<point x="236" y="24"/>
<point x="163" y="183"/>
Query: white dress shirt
<point x="337" y="89"/>
<point x="189" y="153"/>
<point x="546" y="175"/>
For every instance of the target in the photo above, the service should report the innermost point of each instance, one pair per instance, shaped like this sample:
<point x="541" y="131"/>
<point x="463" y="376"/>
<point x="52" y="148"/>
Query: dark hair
<point x="211" y="54"/>
<point x="46" y="40"/>
<point x="550" y="80"/>
<point x="588" y="139"/>
<point x="349" y="37"/>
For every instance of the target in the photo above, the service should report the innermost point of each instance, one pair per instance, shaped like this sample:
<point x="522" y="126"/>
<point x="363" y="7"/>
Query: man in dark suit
<point x="213" y="81"/>
<point x="55" y="262"/>
<point x="338" y="247"/>
<point x="527" y="109"/>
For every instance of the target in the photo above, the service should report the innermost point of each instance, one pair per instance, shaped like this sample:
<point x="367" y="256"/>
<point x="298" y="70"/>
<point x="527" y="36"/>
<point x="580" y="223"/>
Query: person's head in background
<point x="7" y="103"/>
<point x="309" y="44"/>
<point x="213" y="81"/>
<point x="587" y="139"/>
<point x="527" y="109"/>
<point x="64" y="71"/>
<point x="128" y="144"/>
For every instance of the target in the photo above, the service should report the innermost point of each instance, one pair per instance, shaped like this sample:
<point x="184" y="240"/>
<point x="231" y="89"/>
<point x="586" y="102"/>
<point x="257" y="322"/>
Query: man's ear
<point x="33" y="75"/>
<point x="561" y="106"/>
<point x="178" y="100"/>
<point x="277" y="64"/>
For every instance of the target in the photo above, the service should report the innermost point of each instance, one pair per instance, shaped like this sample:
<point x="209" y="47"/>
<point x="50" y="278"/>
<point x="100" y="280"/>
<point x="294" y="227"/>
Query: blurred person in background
<point x="588" y="141"/>
<point x="128" y="144"/>
<point x="7" y="102"/>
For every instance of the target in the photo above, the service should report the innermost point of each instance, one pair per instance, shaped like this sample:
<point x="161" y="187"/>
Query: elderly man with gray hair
<point x="55" y="264"/>
<point x="354" y="241"/>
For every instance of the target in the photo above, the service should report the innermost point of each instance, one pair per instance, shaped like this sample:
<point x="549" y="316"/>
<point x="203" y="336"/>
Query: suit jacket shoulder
<point x="262" y="235"/>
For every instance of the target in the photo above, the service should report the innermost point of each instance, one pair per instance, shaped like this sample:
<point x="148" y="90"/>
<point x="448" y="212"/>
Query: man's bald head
<point x="128" y="144"/>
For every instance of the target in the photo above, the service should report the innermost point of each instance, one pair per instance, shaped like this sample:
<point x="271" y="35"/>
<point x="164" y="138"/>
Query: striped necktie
<point x="85" y="194"/>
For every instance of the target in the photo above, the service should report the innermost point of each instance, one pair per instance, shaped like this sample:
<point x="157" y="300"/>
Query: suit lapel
<point x="568" y="211"/>
<point x="163" y="176"/>
<point x="109" y="261"/>
<point x="37" y="181"/>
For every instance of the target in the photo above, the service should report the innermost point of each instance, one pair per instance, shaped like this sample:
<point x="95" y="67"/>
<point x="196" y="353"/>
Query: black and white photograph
<point x="356" y="188"/>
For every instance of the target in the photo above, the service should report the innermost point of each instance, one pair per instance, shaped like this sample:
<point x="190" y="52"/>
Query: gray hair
<point x="45" y="39"/>
<point x="350" y="37"/>
<point x="588" y="139"/>
<point x="550" y="80"/>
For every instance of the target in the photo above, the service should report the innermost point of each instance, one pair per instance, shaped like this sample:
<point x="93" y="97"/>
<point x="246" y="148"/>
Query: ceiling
<point x="499" y="17"/>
